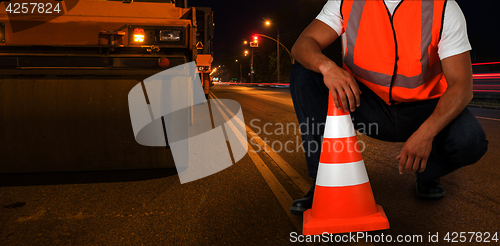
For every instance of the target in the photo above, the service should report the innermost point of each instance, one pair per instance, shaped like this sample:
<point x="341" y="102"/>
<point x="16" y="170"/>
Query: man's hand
<point x="415" y="152"/>
<point x="343" y="86"/>
<point x="307" y="51"/>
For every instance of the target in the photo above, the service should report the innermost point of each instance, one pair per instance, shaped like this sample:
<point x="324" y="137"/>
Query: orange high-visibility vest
<point x="395" y="56"/>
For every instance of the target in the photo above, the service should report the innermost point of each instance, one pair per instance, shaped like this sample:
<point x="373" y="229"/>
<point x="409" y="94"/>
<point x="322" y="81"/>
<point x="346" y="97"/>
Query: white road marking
<point x="296" y="178"/>
<point x="278" y="190"/>
<point x="272" y="97"/>
<point x="485" y="118"/>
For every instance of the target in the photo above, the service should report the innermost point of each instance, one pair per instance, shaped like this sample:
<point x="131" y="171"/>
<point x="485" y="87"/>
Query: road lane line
<point x="272" y="97"/>
<point x="296" y="178"/>
<point x="279" y="191"/>
<point x="485" y="118"/>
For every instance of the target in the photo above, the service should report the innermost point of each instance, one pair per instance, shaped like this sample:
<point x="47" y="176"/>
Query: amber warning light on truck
<point x="139" y="35"/>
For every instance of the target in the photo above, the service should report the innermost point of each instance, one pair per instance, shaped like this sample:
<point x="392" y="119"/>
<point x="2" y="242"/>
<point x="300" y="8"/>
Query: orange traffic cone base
<point x="315" y="226"/>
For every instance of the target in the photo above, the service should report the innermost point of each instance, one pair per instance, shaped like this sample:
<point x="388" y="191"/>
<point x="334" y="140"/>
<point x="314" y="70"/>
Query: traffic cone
<point x="343" y="199"/>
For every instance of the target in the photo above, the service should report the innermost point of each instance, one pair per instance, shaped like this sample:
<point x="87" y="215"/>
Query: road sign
<point x="199" y="45"/>
<point x="254" y="44"/>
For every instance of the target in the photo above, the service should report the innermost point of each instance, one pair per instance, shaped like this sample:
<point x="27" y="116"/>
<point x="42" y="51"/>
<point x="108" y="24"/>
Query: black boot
<point x="303" y="204"/>
<point x="431" y="190"/>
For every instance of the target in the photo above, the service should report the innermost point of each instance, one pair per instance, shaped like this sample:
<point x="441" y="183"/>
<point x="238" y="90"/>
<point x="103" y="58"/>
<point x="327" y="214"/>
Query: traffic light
<point x="255" y="42"/>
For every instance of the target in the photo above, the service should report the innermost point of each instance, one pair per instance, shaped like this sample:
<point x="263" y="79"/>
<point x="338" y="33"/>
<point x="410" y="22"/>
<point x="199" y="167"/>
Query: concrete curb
<point x="265" y="85"/>
<point x="483" y="106"/>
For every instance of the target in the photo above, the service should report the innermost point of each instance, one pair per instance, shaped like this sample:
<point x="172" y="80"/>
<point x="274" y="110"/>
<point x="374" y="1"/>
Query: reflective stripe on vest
<point x="428" y="71"/>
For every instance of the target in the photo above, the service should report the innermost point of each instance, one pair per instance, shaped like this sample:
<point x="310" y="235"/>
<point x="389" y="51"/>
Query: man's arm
<point x="307" y="51"/>
<point x="458" y="73"/>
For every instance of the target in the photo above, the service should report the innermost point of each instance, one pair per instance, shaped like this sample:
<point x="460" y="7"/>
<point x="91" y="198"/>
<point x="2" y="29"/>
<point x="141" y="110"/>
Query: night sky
<point x="236" y="21"/>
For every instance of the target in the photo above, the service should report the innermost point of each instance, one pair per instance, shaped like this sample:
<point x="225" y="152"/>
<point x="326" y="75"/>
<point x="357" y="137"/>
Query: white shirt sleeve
<point x="330" y="15"/>
<point x="454" y="39"/>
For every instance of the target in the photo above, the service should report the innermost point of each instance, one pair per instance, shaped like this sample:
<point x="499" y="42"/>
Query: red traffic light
<point x="255" y="42"/>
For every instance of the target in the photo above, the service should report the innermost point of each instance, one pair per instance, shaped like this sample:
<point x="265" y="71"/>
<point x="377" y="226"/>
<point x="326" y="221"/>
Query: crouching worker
<point x="406" y="69"/>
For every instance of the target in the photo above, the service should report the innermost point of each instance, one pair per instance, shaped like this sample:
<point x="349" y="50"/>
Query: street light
<point x="220" y="71"/>
<point x="268" y="23"/>
<point x="241" y="77"/>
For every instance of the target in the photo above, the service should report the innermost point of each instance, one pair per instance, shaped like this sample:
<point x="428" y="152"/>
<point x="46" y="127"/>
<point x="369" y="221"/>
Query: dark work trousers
<point x="459" y="144"/>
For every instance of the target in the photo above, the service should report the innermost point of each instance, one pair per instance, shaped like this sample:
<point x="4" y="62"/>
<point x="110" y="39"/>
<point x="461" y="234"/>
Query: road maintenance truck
<point x="66" y="67"/>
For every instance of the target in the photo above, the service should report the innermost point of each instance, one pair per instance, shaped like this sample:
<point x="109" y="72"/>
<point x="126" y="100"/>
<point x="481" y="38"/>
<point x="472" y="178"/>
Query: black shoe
<point x="303" y="204"/>
<point x="430" y="189"/>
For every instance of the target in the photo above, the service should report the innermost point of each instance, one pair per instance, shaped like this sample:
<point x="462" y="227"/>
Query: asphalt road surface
<point x="247" y="203"/>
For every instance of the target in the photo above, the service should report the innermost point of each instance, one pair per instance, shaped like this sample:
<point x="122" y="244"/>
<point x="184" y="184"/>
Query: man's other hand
<point x="415" y="152"/>
<point x="458" y="72"/>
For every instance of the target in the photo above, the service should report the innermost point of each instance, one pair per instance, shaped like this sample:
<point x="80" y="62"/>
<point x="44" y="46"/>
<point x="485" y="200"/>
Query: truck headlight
<point x="170" y="35"/>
